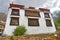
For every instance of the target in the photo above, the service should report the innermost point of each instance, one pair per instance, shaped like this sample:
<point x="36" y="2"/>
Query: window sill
<point x="48" y="18"/>
<point x="34" y="26"/>
<point x="49" y="26"/>
<point x="32" y="17"/>
<point x="14" y="16"/>
<point x="1" y="28"/>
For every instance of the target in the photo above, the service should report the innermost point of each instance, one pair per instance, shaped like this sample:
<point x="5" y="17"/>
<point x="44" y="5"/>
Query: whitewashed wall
<point x="23" y="20"/>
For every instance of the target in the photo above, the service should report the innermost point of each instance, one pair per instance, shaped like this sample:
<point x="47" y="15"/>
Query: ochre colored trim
<point x="16" y="6"/>
<point x="43" y="10"/>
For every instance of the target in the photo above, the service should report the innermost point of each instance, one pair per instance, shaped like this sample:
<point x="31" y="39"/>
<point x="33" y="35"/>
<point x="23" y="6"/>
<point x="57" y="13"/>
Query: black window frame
<point x="12" y="13"/>
<point x="33" y="19"/>
<point x="1" y="25"/>
<point x="49" y="23"/>
<point x="14" y="24"/>
<point x="47" y="15"/>
<point x="30" y="15"/>
<point x="1" y="33"/>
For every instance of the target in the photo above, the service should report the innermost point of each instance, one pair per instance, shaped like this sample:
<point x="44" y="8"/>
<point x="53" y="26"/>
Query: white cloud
<point x="54" y="9"/>
<point x="50" y="4"/>
<point x="53" y="5"/>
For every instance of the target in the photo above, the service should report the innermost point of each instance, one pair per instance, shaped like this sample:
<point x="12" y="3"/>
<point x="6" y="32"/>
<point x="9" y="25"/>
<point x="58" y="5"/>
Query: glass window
<point x="1" y="25"/>
<point x="48" y="23"/>
<point x="0" y="30"/>
<point x="15" y="12"/>
<point x="1" y="34"/>
<point x="32" y="13"/>
<point x="33" y="22"/>
<point x="14" y="21"/>
<point x="46" y="15"/>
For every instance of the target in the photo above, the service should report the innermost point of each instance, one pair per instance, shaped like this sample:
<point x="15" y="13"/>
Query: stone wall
<point x="29" y="37"/>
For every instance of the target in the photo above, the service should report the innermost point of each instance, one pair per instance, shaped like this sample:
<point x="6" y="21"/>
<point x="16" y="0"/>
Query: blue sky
<point x="51" y="4"/>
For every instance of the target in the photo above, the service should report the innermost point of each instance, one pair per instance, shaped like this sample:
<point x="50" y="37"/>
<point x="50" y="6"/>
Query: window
<point x="48" y="23"/>
<point x="1" y="34"/>
<point x="0" y="25"/>
<point x="0" y="30"/>
<point x="46" y="15"/>
<point x="14" y="21"/>
<point x="15" y="12"/>
<point x="32" y="13"/>
<point x="33" y="22"/>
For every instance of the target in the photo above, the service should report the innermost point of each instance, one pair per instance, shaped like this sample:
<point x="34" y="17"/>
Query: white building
<point x="36" y="21"/>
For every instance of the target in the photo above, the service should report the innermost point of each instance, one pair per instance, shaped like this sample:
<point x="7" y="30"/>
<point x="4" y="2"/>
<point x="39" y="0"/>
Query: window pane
<point x="0" y="25"/>
<point x="1" y="34"/>
<point x="48" y="23"/>
<point x="33" y="22"/>
<point x="15" y="12"/>
<point x="46" y="15"/>
<point x="0" y="30"/>
<point x="14" y="21"/>
<point x="32" y="13"/>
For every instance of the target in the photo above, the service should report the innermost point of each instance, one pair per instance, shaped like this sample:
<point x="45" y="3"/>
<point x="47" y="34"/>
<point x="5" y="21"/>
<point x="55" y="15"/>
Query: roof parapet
<point x="17" y="6"/>
<point x="43" y="9"/>
<point x="31" y="7"/>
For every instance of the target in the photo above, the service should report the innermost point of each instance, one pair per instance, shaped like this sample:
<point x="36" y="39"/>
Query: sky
<point x="49" y="4"/>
